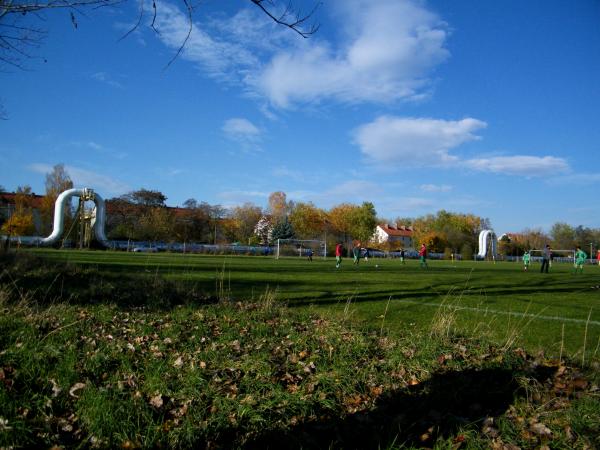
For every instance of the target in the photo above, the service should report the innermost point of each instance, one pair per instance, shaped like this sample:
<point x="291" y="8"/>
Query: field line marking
<point x="505" y="313"/>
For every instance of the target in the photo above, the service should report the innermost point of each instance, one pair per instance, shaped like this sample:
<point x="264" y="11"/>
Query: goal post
<point x="301" y="248"/>
<point x="558" y="255"/>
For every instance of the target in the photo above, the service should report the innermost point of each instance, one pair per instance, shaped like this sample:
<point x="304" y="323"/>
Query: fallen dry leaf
<point x="76" y="387"/>
<point x="540" y="429"/>
<point x="157" y="400"/>
<point x="55" y="388"/>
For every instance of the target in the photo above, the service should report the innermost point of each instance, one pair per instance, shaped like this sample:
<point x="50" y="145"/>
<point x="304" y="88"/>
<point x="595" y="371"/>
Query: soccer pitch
<point x="558" y="312"/>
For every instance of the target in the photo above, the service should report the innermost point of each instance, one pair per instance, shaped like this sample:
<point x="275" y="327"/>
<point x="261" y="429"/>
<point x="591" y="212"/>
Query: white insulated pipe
<point x="484" y="237"/>
<point x="59" y="215"/>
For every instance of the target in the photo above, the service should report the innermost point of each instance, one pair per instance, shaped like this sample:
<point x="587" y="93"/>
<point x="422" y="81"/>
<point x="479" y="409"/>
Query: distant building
<point x="396" y="236"/>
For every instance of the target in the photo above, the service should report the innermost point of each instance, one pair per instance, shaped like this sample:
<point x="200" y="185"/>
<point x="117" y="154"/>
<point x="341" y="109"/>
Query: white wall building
<point x="400" y="236"/>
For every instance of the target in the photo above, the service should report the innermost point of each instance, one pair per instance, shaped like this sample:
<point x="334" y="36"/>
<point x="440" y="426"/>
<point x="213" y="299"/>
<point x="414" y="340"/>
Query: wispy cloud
<point x="222" y="57"/>
<point x="243" y="132"/>
<point x="103" y="184"/>
<point x="435" y="187"/>
<point x="529" y="166"/>
<point x="104" y="77"/>
<point x="407" y="141"/>
<point x="385" y="53"/>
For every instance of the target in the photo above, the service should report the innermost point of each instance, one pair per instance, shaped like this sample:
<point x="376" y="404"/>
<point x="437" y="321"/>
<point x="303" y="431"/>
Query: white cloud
<point x="530" y="166"/>
<point x="390" y="142"/>
<point x="241" y="127"/>
<point x="107" y="79"/>
<point x="243" y="132"/>
<point x="402" y="141"/>
<point x="106" y="186"/>
<point x="223" y="57"/>
<point x="387" y="55"/>
<point x="436" y="187"/>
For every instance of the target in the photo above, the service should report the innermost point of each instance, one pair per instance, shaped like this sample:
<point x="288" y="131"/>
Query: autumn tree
<point x="139" y="215"/>
<point x="193" y="222"/>
<point x="57" y="181"/>
<point x="448" y="229"/>
<point x="156" y="224"/>
<point x="563" y="235"/>
<point x="245" y="218"/>
<point x="583" y="236"/>
<point x="534" y="239"/>
<point x="307" y="220"/>
<point x="278" y="206"/>
<point x="121" y="219"/>
<point x="20" y="223"/>
<point x="340" y="220"/>
<point x="363" y="220"/>
<point x="435" y="241"/>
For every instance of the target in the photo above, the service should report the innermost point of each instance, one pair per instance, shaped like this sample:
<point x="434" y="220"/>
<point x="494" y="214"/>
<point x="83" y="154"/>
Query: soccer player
<point x="356" y="254"/>
<point x="526" y="261"/>
<point x="402" y="255"/>
<point x="580" y="257"/>
<point x="338" y="255"/>
<point x="598" y="256"/>
<point x="423" y="256"/>
<point x="546" y="255"/>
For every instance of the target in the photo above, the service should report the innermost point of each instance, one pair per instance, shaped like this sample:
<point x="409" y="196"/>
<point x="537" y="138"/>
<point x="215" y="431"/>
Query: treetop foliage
<point x="144" y="215"/>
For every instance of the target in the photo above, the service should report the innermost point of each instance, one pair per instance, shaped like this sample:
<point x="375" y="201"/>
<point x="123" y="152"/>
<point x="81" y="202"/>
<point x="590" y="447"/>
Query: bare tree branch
<point x="294" y="24"/>
<point x="187" y="37"/>
<point x="18" y="37"/>
<point x="137" y="25"/>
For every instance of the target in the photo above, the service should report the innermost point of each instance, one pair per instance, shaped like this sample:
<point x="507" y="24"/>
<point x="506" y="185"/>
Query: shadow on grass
<point x="414" y="417"/>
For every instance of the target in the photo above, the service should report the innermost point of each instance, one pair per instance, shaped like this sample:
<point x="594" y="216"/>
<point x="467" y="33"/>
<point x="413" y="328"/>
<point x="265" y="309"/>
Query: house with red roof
<point x="394" y="235"/>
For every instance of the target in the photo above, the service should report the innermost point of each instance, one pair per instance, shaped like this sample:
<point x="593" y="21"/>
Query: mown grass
<point x="556" y="313"/>
<point x="139" y="353"/>
<point x="259" y="375"/>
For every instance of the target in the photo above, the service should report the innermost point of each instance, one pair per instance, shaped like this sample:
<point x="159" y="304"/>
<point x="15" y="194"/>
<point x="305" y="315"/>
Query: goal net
<point x="557" y="255"/>
<point x="301" y="248"/>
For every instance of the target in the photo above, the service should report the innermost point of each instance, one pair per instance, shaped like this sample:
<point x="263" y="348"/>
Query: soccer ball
<point x="377" y="266"/>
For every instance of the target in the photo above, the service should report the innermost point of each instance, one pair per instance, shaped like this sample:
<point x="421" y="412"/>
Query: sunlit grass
<point x="175" y="351"/>
<point x="556" y="312"/>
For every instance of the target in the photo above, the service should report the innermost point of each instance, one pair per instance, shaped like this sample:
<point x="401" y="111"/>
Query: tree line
<point x="143" y="215"/>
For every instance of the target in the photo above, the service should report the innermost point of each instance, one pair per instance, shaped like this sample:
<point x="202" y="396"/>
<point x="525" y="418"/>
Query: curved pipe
<point x="100" y="224"/>
<point x="487" y="237"/>
<point x="59" y="215"/>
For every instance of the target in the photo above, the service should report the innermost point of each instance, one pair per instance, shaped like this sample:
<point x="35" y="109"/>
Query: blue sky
<point x="490" y="108"/>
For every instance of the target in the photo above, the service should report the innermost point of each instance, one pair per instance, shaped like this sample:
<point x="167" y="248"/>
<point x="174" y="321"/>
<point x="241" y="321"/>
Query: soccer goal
<point x="301" y="248"/>
<point x="557" y="255"/>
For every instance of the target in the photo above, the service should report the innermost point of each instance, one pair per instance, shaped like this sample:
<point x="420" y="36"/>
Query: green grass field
<point x="115" y="350"/>
<point x="558" y="312"/>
